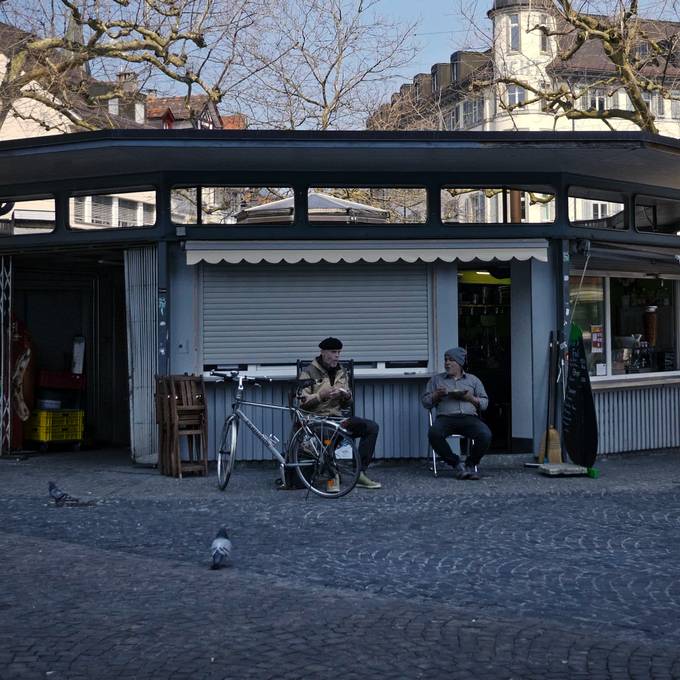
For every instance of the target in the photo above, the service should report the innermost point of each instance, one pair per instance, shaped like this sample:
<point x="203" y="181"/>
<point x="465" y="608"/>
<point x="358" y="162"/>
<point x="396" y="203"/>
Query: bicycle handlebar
<point x="236" y="375"/>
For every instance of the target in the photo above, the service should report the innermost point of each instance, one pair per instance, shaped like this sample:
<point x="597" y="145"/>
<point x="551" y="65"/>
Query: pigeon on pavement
<point x="220" y="550"/>
<point x="61" y="498"/>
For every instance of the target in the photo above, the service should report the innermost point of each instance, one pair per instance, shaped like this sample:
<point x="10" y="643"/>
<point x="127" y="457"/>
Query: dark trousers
<point x="368" y="431"/>
<point x="468" y="426"/>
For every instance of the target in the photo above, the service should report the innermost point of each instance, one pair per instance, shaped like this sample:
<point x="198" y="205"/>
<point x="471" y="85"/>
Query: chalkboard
<point x="579" y="422"/>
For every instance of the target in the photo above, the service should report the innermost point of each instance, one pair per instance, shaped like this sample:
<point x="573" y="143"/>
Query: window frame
<point x="637" y="200"/>
<point x="651" y="376"/>
<point x="112" y="193"/>
<point x="25" y="198"/>
<point x="514" y="33"/>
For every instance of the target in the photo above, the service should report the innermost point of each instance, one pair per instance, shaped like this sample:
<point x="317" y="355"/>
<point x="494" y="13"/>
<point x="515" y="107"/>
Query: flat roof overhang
<point x="633" y="157"/>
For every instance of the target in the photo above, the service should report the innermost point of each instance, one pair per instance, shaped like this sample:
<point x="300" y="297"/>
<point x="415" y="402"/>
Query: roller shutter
<point x="277" y="313"/>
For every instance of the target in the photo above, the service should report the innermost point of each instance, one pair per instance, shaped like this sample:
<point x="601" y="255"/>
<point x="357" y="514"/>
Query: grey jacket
<point x="449" y="406"/>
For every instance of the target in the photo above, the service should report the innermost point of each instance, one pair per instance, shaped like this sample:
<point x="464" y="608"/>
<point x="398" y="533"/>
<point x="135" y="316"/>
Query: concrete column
<point x="532" y="318"/>
<point x="445" y="311"/>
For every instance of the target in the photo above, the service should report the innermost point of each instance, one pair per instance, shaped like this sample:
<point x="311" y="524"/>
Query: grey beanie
<point x="458" y="354"/>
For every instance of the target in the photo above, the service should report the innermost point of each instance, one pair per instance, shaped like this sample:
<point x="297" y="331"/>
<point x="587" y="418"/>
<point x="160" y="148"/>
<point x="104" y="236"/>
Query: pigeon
<point x="61" y="498"/>
<point x="220" y="550"/>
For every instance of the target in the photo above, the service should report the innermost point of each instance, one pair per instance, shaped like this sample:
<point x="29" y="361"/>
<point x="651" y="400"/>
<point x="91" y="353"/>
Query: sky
<point x="443" y="27"/>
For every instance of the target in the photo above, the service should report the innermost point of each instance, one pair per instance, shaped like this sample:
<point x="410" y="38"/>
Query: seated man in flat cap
<point x="330" y="393"/>
<point x="458" y="397"/>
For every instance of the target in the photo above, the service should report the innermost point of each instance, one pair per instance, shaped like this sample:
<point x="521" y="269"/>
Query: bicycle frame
<point x="299" y="417"/>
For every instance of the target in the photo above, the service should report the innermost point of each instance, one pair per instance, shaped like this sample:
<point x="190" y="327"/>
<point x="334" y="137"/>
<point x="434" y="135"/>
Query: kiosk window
<point x="218" y="205"/>
<point x="657" y="215"/>
<point x="113" y="210"/>
<point x="596" y="209"/>
<point x="26" y="216"/>
<point x="497" y="205"/>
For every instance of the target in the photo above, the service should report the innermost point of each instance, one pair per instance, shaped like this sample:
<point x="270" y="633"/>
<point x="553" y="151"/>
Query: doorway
<point x="484" y="331"/>
<point x="71" y="307"/>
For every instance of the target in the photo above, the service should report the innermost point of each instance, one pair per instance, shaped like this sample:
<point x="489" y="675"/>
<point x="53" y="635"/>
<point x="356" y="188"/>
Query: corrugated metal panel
<point x="393" y="404"/>
<point x="141" y="297"/>
<point x="277" y="313"/>
<point x="638" y="419"/>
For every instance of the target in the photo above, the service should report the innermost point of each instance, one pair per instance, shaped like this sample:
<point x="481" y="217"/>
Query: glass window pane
<point x="247" y="205"/>
<point x="657" y="215"/>
<point x="367" y="205"/>
<point x="219" y="205"/>
<point x="510" y="205"/>
<point x="643" y="326"/>
<point x="589" y="316"/>
<point x="184" y="205"/>
<point x="27" y="216"/>
<point x="596" y="209"/>
<point x="119" y="210"/>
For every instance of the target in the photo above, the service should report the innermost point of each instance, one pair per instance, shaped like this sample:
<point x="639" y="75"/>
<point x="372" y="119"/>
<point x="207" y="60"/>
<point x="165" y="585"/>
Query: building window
<point x="516" y="95"/>
<point x="514" y="34"/>
<point x="26" y="216"/>
<point x="367" y="205"/>
<point x="113" y="106"/>
<point x="597" y="100"/>
<point x="589" y="316"/>
<point x="122" y="209"/>
<point x="455" y="117"/>
<point x="596" y="209"/>
<point x="545" y="40"/>
<point x="127" y="213"/>
<point x="675" y="105"/>
<point x="600" y="210"/>
<point x="641" y="316"/>
<point x="657" y="215"/>
<point x="643" y="325"/>
<point x="473" y="112"/>
<point x="102" y="210"/>
<point x="139" y="112"/>
<point x="492" y="205"/>
<point x="659" y="106"/>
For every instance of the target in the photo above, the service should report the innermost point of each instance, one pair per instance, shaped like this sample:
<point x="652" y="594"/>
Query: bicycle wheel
<point x="326" y="461"/>
<point x="227" y="452"/>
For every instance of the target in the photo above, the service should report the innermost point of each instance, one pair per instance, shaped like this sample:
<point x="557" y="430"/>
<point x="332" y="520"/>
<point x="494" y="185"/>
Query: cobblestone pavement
<point x="514" y="576"/>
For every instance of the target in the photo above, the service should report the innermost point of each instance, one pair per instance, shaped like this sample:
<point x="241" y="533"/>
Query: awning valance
<point x="273" y="252"/>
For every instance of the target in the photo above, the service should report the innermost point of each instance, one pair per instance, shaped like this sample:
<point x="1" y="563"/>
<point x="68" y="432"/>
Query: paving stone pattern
<point x="514" y="576"/>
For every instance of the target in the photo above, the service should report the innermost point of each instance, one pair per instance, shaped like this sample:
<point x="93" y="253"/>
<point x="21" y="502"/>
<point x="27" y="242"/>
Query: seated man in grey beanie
<point x="330" y="393"/>
<point x="459" y="397"/>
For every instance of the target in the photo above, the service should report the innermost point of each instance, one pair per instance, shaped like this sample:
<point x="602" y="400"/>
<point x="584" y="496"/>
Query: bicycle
<point x="322" y="453"/>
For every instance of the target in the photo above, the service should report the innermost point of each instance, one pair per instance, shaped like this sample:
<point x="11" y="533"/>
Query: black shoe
<point x="472" y="472"/>
<point x="460" y="471"/>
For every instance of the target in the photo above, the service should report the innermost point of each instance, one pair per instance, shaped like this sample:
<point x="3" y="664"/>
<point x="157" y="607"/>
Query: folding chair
<point x="188" y="419"/>
<point x="462" y="440"/>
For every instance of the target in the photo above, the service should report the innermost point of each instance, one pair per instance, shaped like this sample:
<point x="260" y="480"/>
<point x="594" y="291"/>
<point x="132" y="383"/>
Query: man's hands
<point x="442" y="392"/>
<point x="327" y="392"/>
<point x="439" y="394"/>
<point x="469" y="397"/>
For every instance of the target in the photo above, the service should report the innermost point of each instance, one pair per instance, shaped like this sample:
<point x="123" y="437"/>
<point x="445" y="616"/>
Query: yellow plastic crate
<point x="60" y="425"/>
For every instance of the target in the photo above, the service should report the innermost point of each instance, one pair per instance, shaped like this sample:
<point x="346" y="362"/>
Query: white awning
<point x="273" y="252"/>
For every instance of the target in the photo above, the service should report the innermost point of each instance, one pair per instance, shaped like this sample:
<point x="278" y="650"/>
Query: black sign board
<point x="579" y="422"/>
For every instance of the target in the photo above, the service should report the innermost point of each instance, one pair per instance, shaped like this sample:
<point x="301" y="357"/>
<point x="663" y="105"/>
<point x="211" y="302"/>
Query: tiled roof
<point x="236" y="121"/>
<point x="181" y="110"/>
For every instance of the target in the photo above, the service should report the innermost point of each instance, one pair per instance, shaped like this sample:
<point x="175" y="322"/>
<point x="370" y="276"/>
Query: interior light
<point x="484" y="273"/>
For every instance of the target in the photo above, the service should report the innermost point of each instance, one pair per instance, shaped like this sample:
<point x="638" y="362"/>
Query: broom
<point x="550" y="442"/>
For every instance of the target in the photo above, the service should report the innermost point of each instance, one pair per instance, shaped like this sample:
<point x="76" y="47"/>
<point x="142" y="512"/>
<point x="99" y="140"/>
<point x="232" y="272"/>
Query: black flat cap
<point x="330" y="343"/>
